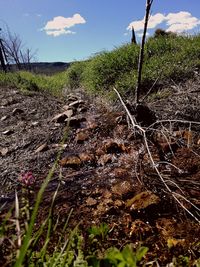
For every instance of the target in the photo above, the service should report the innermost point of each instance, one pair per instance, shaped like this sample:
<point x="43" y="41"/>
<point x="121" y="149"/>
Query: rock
<point x="17" y="111"/>
<point x="62" y="146"/>
<point x="87" y="157"/>
<point x="122" y="188"/>
<point x="69" y="113"/>
<point x="91" y="201"/>
<point x="4" y="151"/>
<point x="71" y="161"/>
<point x="8" y="132"/>
<point x="142" y="201"/>
<point x="60" y="118"/>
<point x="34" y="123"/>
<point x="4" y="118"/>
<point x="76" y="103"/>
<point x="42" y="148"/>
<point x="112" y="147"/>
<point x="81" y="137"/>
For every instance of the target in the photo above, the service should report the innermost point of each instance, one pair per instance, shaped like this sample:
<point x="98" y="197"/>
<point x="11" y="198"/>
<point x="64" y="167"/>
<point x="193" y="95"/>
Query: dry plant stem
<point x="143" y="133"/>
<point x="141" y="56"/>
<point x="19" y="241"/>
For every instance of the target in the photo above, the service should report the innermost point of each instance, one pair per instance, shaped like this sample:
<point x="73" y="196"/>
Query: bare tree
<point x="15" y="51"/>
<point x="13" y="45"/>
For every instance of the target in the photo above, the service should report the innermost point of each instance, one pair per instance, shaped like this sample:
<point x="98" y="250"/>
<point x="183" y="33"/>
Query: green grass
<point x="166" y="58"/>
<point x="28" y="82"/>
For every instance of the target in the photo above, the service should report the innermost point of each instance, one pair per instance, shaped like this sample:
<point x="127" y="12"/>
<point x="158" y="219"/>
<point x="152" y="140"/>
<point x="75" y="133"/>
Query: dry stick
<point x="143" y="132"/>
<point x="141" y="56"/>
<point x="19" y="241"/>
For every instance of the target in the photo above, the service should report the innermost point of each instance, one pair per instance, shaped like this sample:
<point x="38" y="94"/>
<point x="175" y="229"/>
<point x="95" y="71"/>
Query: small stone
<point x="60" y="118"/>
<point x="4" y="151"/>
<point x="76" y="103"/>
<point x="41" y="148"/>
<point x="4" y="118"/>
<point x="8" y="132"/>
<point x="71" y="161"/>
<point x="142" y="200"/>
<point x="112" y="147"/>
<point x="81" y="137"/>
<point x="91" y="201"/>
<point x="86" y="157"/>
<point x="34" y="123"/>
<point x="69" y="113"/>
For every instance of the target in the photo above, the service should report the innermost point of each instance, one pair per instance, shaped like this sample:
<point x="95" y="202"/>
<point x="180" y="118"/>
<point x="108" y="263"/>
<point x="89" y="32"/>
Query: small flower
<point x="27" y="178"/>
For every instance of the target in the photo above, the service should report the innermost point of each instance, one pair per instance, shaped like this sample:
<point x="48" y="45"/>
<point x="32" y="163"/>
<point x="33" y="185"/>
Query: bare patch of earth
<point x="104" y="170"/>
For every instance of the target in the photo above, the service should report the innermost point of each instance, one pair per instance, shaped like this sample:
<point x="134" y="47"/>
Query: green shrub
<point x="104" y="70"/>
<point x="74" y="74"/>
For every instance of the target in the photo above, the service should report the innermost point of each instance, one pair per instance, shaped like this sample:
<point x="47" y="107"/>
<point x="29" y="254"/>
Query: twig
<point x="143" y="133"/>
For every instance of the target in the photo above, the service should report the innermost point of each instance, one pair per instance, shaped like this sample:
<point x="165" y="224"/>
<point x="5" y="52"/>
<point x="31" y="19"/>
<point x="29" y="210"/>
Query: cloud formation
<point x="175" y="22"/>
<point x="60" y="25"/>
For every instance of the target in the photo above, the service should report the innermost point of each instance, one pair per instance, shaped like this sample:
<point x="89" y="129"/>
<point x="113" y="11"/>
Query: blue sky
<point x="68" y="30"/>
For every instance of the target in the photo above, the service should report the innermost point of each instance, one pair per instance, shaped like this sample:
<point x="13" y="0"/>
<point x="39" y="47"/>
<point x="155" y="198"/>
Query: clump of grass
<point x="166" y="57"/>
<point x="28" y="82"/>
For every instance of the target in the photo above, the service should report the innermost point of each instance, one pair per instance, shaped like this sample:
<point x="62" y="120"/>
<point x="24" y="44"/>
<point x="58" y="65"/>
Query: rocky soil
<point x="104" y="169"/>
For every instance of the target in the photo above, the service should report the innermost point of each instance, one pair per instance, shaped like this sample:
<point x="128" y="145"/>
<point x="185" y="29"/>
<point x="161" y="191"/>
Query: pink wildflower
<point x="27" y="178"/>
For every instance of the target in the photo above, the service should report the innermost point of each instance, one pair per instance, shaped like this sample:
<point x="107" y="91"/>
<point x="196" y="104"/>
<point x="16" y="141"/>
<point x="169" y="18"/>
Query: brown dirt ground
<point x="104" y="167"/>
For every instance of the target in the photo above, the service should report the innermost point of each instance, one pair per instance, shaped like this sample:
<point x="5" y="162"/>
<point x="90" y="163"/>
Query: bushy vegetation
<point x="167" y="57"/>
<point x="27" y="81"/>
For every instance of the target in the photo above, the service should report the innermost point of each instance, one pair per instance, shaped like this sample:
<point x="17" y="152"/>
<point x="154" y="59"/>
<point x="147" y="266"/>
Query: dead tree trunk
<point x="3" y="65"/>
<point x="141" y="56"/>
<point x="133" y="38"/>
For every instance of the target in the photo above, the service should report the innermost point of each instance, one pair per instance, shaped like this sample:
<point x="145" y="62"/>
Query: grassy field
<point x="166" y="58"/>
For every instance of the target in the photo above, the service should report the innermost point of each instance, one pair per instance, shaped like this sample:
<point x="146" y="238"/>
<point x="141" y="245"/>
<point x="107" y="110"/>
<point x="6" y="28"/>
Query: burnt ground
<point x="104" y="170"/>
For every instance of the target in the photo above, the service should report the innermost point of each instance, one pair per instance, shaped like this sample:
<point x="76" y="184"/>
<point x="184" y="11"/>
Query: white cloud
<point x="175" y="22"/>
<point x="59" y="25"/>
<point x="182" y="21"/>
<point x="56" y="33"/>
<point x="153" y="22"/>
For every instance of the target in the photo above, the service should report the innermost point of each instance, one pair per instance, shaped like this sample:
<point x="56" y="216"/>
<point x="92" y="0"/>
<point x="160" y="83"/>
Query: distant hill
<point x="47" y="68"/>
